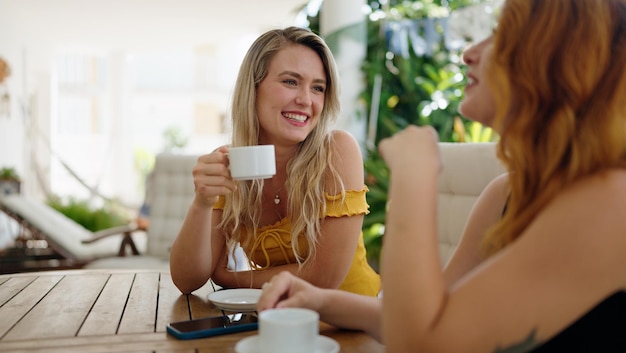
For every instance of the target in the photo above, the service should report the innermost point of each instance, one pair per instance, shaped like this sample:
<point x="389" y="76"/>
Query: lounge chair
<point x="69" y="245"/>
<point x="50" y="240"/>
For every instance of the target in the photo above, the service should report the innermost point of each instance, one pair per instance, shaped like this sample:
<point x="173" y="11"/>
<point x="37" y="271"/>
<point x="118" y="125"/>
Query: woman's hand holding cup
<point x="211" y="177"/>
<point x="215" y="173"/>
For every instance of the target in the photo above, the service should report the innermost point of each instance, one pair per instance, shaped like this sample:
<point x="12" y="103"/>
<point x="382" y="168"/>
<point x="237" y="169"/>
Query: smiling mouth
<point x="295" y="117"/>
<point x="471" y="81"/>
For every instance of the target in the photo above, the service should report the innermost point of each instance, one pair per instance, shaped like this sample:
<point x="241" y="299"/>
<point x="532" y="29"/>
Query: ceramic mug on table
<point x="288" y="330"/>
<point x="252" y="162"/>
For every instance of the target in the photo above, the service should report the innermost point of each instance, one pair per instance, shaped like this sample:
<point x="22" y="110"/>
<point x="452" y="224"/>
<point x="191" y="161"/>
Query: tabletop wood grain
<point x="96" y="311"/>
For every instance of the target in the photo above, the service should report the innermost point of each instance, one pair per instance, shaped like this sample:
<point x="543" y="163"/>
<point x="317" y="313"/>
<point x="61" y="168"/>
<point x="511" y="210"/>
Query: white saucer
<point x="250" y="345"/>
<point x="239" y="299"/>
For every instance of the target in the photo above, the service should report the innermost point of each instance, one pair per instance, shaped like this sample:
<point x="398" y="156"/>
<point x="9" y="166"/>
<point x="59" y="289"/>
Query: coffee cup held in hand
<point x="252" y="162"/>
<point x="288" y="330"/>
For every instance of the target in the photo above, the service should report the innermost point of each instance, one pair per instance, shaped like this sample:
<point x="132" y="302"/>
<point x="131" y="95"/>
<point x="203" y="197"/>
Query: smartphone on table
<point x="213" y="326"/>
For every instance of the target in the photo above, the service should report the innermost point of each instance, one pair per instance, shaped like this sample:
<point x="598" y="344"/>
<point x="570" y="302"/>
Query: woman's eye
<point x="290" y="82"/>
<point x="320" y="89"/>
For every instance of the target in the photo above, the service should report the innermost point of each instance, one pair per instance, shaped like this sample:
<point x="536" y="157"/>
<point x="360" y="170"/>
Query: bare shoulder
<point x="614" y="181"/>
<point x="493" y="198"/>
<point x="608" y="186"/>
<point x="499" y="185"/>
<point x="346" y="149"/>
<point x="343" y="140"/>
<point x="594" y="208"/>
<point x="605" y="193"/>
<point x="347" y="159"/>
<point x="585" y="223"/>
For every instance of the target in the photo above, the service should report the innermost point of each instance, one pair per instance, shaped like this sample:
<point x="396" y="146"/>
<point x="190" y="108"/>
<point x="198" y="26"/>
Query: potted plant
<point x="9" y="181"/>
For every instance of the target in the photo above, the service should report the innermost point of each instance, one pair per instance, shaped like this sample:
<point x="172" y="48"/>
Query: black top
<point x="601" y="330"/>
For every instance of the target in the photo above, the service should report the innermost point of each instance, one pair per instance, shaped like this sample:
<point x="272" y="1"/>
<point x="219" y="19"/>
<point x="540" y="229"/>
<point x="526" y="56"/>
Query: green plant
<point x="416" y="90"/>
<point x="418" y="87"/>
<point x="373" y="240"/>
<point x="93" y="219"/>
<point x="9" y="173"/>
<point x="174" y="139"/>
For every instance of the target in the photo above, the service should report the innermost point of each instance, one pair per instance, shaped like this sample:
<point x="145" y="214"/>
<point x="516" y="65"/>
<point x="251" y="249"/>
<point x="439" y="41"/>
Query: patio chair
<point x="47" y="239"/>
<point x="72" y="246"/>
<point x="170" y="192"/>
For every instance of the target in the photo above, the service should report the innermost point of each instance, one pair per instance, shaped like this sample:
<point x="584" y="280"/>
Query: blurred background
<point x="92" y="90"/>
<point x="97" y="87"/>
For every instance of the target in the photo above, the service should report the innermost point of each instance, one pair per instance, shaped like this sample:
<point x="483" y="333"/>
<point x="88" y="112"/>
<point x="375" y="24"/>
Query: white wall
<point x="34" y="32"/>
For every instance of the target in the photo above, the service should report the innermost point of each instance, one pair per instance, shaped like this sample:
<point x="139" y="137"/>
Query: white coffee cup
<point x="288" y="330"/>
<point x="252" y="162"/>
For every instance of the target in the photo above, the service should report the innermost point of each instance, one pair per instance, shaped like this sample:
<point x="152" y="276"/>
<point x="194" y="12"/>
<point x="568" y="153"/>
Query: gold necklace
<point x="276" y="194"/>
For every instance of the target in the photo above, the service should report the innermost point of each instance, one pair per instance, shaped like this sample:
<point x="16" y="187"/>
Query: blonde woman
<point x="307" y="218"/>
<point x="541" y="266"/>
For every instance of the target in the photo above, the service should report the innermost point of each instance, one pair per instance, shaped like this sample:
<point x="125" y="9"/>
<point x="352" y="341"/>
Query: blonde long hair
<point x="559" y="77"/>
<point x="312" y="164"/>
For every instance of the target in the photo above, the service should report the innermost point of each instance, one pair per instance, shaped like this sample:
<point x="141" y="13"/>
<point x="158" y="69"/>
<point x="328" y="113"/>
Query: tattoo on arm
<point x="525" y="346"/>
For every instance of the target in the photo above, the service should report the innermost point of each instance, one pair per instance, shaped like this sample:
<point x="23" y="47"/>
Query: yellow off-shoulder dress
<point x="272" y="245"/>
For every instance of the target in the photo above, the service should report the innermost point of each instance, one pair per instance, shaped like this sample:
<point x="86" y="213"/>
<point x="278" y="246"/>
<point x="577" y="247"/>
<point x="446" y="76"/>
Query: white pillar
<point x="343" y="25"/>
<point x="35" y="113"/>
<point x="121" y="172"/>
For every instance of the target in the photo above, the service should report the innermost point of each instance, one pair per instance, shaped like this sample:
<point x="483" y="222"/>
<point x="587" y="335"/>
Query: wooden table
<point x="116" y="311"/>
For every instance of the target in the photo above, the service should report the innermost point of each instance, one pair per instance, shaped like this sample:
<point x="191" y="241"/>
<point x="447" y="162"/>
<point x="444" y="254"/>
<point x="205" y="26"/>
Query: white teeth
<point x="296" y="117"/>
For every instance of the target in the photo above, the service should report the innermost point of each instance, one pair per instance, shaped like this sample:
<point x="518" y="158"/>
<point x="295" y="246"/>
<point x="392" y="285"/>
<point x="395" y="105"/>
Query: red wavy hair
<point x="558" y="74"/>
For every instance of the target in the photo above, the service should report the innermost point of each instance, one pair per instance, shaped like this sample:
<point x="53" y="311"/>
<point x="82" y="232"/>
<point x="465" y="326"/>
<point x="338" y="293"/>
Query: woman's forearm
<point x="351" y="311"/>
<point x="413" y="284"/>
<point x="191" y="255"/>
<point x="227" y="278"/>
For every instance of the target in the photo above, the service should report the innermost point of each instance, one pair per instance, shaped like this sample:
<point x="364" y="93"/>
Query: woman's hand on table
<point x="336" y="307"/>
<point x="286" y="290"/>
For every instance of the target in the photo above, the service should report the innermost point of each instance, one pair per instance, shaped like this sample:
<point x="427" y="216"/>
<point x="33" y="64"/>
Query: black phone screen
<point x="214" y="322"/>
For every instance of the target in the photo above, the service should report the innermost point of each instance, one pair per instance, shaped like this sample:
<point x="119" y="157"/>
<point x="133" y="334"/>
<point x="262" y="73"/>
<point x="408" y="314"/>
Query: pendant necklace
<point x="276" y="196"/>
